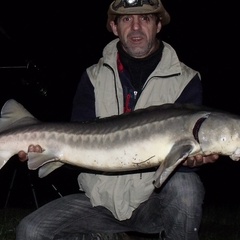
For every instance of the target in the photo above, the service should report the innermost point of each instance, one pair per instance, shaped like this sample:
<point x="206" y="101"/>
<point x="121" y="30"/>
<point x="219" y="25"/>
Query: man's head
<point x="136" y="23"/>
<point x="130" y="7"/>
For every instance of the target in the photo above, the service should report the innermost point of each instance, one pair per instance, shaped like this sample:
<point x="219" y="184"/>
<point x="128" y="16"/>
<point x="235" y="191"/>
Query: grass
<point x="219" y="222"/>
<point x="9" y="219"/>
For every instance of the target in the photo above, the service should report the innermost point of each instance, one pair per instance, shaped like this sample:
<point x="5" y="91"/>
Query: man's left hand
<point x="199" y="160"/>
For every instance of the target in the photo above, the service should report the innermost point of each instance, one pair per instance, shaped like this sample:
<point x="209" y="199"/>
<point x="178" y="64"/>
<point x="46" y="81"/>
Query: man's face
<point x="137" y="33"/>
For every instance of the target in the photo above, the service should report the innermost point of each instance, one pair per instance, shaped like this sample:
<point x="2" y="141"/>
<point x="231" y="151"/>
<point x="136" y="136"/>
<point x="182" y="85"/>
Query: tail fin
<point x="14" y="114"/>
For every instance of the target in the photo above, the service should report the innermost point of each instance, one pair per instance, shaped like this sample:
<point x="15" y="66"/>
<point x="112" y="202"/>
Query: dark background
<point x="45" y="47"/>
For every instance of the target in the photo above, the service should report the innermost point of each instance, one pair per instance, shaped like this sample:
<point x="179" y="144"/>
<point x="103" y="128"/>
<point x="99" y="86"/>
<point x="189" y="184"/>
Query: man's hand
<point x="32" y="148"/>
<point x="199" y="160"/>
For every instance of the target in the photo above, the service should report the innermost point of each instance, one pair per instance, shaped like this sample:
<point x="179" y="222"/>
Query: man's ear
<point x="159" y="26"/>
<point x="114" y="28"/>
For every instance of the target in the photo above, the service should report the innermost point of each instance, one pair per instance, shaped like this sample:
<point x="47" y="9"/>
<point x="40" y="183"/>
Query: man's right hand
<point x="23" y="156"/>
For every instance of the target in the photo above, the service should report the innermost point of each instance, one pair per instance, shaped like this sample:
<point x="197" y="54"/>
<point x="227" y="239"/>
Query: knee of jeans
<point x="189" y="182"/>
<point x="22" y="230"/>
<point x="186" y="189"/>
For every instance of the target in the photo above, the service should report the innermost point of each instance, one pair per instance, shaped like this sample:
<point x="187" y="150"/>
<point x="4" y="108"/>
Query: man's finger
<point x="22" y="156"/>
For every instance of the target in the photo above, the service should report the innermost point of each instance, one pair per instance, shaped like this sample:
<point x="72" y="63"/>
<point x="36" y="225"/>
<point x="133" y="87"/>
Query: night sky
<point x="58" y="41"/>
<point x="45" y="47"/>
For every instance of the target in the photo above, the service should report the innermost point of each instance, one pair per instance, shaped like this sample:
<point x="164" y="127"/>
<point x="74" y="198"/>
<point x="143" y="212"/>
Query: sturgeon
<point x="160" y="137"/>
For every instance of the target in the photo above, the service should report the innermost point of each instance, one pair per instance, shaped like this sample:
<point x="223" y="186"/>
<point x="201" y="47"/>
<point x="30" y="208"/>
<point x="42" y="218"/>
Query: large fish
<point x="161" y="136"/>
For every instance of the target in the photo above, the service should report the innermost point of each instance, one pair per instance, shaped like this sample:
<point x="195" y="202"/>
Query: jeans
<point x="173" y="211"/>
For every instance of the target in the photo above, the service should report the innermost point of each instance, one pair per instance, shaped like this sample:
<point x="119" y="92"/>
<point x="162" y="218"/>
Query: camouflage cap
<point x="121" y="7"/>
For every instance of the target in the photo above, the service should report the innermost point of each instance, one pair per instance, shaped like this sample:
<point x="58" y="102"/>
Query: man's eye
<point x="145" y="18"/>
<point x="126" y="19"/>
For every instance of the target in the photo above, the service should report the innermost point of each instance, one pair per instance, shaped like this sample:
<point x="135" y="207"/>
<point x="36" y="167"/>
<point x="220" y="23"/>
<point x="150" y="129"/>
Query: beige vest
<point x="121" y="194"/>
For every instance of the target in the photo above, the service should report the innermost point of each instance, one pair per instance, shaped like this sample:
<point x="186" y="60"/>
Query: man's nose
<point x="136" y="24"/>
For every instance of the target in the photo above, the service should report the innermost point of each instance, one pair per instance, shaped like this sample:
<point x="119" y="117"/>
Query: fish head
<point x="220" y="134"/>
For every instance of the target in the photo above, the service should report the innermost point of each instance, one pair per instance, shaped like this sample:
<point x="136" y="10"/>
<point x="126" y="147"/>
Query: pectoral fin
<point x="47" y="161"/>
<point x="48" y="168"/>
<point x="36" y="160"/>
<point x="179" y="152"/>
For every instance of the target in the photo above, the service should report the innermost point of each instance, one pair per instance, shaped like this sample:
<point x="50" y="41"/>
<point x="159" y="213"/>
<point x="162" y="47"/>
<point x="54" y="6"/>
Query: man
<point x="137" y="70"/>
